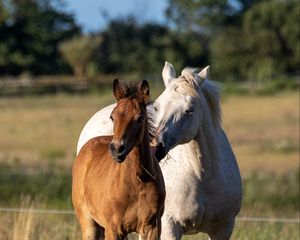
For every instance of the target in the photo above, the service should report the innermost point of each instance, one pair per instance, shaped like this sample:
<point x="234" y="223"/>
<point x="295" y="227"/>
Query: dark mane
<point x="151" y="119"/>
<point x="131" y="91"/>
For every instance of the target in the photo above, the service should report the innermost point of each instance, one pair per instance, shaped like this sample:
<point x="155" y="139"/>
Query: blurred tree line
<point x="241" y="39"/>
<point x="30" y="31"/>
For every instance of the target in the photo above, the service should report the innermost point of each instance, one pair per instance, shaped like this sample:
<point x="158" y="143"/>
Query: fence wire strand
<point x="70" y="212"/>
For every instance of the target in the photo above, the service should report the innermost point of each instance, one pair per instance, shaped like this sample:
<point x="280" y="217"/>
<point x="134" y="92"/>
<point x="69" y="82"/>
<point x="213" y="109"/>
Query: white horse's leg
<point x="223" y="232"/>
<point x="170" y="229"/>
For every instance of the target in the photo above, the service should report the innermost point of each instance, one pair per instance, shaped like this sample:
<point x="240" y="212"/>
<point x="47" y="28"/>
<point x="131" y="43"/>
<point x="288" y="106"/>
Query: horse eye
<point x="111" y="117"/>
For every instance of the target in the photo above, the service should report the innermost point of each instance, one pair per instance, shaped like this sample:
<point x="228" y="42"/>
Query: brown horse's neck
<point x="146" y="160"/>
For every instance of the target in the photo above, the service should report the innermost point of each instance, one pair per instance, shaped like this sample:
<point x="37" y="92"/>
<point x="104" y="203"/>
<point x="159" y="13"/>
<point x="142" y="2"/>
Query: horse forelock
<point x="190" y="82"/>
<point x="132" y="92"/>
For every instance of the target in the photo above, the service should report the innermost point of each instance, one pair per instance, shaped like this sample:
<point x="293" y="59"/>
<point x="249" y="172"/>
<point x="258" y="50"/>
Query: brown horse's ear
<point x="144" y="90"/>
<point x="119" y="89"/>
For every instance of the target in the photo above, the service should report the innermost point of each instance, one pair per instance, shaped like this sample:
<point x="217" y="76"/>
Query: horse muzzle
<point x="118" y="152"/>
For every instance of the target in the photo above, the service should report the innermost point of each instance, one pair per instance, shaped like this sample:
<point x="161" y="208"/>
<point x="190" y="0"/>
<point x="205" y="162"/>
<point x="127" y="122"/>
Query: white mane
<point x="212" y="95"/>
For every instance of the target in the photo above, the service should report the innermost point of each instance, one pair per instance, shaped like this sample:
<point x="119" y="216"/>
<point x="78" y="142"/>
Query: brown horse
<point x="118" y="187"/>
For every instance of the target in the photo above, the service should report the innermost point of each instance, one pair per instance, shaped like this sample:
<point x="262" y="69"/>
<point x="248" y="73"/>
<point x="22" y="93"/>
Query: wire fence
<point x="70" y="212"/>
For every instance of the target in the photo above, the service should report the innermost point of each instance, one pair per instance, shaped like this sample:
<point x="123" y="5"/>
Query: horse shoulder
<point x="97" y="158"/>
<point x="93" y="175"/>
<point x="91" y="157"/>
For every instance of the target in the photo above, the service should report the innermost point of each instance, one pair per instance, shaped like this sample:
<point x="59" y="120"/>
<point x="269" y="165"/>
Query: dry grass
<point x="43" y="227"/>
<point x="39" y="131"/>
<point x="24" y="222"/>
<point x="43" y="131"/>
<point x="264" y="131"/>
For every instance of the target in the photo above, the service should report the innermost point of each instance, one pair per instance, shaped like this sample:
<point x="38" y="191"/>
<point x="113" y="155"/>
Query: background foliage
<point x="242" y="40"/>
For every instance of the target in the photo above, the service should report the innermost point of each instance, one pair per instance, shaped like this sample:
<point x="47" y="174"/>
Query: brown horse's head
<point x="129" y="117"/>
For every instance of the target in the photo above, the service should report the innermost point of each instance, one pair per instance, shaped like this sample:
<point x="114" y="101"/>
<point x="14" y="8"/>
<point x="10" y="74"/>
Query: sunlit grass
<point x="42" y="226"/>
<point x="263" y="130"/>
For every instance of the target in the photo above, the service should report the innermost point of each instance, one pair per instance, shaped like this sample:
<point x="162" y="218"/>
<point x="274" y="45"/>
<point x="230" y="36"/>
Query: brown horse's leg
<point x="154" y="232"/>
<point x="88" y="226"/>
<point x="99" y="232"/>
<point x="88" y="229"/>
<point x="112" y="234"/>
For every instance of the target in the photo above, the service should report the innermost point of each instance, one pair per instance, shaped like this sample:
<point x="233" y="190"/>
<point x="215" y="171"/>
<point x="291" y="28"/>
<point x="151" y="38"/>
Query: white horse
<point x="202" y="179"/>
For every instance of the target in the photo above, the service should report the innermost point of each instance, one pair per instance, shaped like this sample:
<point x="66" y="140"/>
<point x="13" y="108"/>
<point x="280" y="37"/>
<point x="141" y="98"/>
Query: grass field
<point x="42" y="131"/>
<point x="37" y="149"/>
<point x="66" y="228"/>
<point x="265" y="195"/>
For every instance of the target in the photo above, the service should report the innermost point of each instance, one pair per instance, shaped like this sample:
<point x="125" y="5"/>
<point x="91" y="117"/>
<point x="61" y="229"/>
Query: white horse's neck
<point x="208" y="145"/>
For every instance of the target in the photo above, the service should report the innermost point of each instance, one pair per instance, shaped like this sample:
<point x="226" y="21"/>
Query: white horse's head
<point x="177" y="110"/>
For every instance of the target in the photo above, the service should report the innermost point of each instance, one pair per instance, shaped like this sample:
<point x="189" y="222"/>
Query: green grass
<point x="50" y="189"/>
<point x="274" y="194"/>
<point x="265" y="195"/>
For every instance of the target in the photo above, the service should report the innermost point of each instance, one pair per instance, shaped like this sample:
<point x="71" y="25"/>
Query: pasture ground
<point x="38" y="142"/>
<point x="41" y="131"/>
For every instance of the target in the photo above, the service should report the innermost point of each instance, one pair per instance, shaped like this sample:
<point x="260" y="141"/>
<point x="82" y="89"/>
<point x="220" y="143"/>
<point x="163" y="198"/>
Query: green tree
<point x="264" y="46"/>
<point x="29" y="36"/>
<point x="198" y="15"/>
<point x="273" y="33"/>
<point x="78" y="52"/>
<point x="228" y="56"/>
<point x="207" y="16"/>
<point x="132" y="48"/>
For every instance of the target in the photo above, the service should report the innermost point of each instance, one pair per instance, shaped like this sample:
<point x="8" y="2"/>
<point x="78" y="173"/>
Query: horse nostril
<point x="121" y="149"/>
<point x="111" y="147"/>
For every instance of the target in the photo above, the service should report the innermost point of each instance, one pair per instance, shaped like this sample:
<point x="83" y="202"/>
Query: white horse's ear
<point x="203" y="74"/>
<point x="168" y="73"/>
